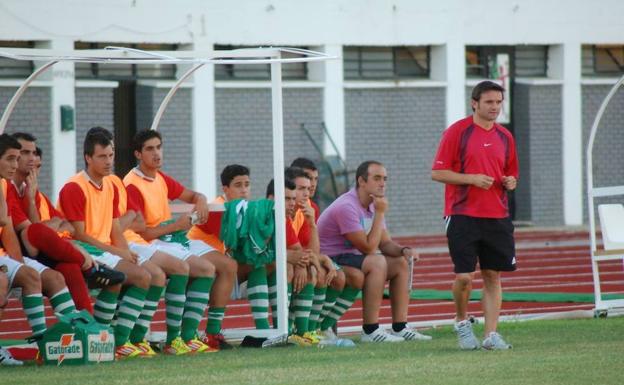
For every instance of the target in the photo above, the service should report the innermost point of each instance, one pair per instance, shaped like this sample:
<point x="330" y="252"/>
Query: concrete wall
<point x="401" y="129"/>
<point x="32" y="115"/>
<point x="609" y="143"/>
<point x="244" y="130"/>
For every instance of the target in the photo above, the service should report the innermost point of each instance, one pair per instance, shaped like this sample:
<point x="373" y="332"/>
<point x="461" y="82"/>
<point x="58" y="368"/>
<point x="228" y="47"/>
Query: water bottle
<point x="345" y="343"/>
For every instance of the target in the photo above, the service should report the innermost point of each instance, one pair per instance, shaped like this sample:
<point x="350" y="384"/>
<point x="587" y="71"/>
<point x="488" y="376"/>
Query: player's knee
<point x="158" y="277"/>
<point x="355" y="279"/>
<point x="206" y="268"/>
<point x="28" y="279"/>
<point x="52" y="279"/>
<point x="230" y="267"/>
<point x="463" y="280"/>
<point x="338" y="283"/>
<point x="179" y="267"/>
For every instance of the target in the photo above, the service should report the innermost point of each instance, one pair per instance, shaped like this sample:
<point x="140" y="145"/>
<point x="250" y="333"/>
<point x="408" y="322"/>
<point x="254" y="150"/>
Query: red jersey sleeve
<point x="291" y="236"/>
<point x="174" y="188"/>
<point x="446" y="157"/>
<point x="115" y="202"/>
<point x="14" y="205"/>
<point x="213" y="224"/>
<point x="135" y="198"/>
<point x="304" y="234"/>
<point x="512" y="161"/>
<point x="72" y="201"/>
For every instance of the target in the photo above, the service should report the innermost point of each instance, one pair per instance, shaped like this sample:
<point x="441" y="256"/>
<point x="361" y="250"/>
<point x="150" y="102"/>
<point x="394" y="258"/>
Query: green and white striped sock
<point x="330" y="300"/>
<point x="175" y="296"/>
<point x="142" y="323"/>
<point x="62" y="302"/>
<point x="129" y="310"/>
<point x="317" y="306"/>
<point x="258" y="295"/>
<point x="302" y="305"/>
<point x="33" y="307"/>
<point x="105" y="306"/>
<point x="197" y="297"/>
<point x="215" y="319"/>
<point x="343" y="303"/>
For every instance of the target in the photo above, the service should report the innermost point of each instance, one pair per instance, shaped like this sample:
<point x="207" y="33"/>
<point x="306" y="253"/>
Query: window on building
<point x="531" y="60"/>
<point x="607" y="60"/>
<point x="382" y="63"/>
<point x="117" y="71"/>
<point x="10" y="68"/>
<point x="528" y="60"/>
<point x="291" y="71"/>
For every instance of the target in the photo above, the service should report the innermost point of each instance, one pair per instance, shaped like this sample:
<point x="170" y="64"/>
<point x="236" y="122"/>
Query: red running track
<point x="548" y="261"/>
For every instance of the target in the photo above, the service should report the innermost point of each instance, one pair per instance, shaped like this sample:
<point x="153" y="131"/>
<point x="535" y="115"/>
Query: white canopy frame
<point x="197" y="59"/>
<point x="601" y="306"/>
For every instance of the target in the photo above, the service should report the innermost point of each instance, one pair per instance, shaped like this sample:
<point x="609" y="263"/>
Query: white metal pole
<point x="590" y="190"/>
<point x="172" y="91"/>
<point x="20" y="91"/>
<point x="280" y="209"/>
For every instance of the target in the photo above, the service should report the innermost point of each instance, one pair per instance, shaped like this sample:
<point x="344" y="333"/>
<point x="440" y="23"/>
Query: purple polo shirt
<point x="345" y="215"/>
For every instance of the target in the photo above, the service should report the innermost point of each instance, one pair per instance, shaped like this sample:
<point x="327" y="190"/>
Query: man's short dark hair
<point x="143" y="136"/>
<point x="304" y="163"/>
<point x="288" y="184"/>
<point x="102" y="130"/>
<point x="293" y="173"/>
<point x="39" y="152"/>
<point x="232" y="171"/>
<point x="485" y="86"/>
<point x="362" y="170"/>
<point x="8" y="142"/>
<point x="26" y="137"/>
<point x="95" y="138"/>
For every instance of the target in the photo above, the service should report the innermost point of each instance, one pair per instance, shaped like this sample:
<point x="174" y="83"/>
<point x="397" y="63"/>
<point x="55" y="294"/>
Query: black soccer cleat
<point x="102" y="276"/>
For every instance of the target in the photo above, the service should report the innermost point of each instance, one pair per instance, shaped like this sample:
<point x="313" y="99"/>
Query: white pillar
<point x="333" y="101"/>
<point x="204" y="127"/>
<point x="448" y="64"/>
<point x="565" y="64"/>
<point x="63" y="142"/>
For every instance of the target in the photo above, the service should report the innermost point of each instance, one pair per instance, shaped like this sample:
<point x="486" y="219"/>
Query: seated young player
<point x="31" y="276"/>
<point x="6" y="359"/>
<point x="152" y="189"/>
<point x="89" y="200"/>
<point x="323" y="271"/>
<point x="236" y="184"/>
<point x="31" y="211"/>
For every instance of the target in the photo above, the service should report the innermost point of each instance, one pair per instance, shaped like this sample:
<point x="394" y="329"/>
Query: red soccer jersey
<point x="317" y="210"/>
<point x="14" y="205"/>
<point x="470" y="149"/>
<point x="291" y="235"/>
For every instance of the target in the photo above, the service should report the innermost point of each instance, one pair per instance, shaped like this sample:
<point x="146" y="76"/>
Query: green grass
<point x="588" y="351"/>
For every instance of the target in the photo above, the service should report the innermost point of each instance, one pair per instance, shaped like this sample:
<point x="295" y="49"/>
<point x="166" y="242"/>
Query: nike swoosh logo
<point x="487" y="144"/>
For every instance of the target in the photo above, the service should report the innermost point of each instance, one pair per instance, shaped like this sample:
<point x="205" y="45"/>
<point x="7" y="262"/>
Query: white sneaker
<point x="465" y="335"/>
<point x="328" y="335"/>
<point x="495" y="341"/>
<point x="7" y="359"/>
<point x="380" y="335"/>
<point x="409" y="334"/>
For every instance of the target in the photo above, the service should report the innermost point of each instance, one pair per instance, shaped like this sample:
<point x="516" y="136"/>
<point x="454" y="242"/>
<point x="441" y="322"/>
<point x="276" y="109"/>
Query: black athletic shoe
<point x="102" y="276"/>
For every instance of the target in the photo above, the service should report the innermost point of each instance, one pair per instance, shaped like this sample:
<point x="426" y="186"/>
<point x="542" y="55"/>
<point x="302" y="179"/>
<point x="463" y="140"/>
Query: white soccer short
<point x="145" y="252"/>
<point x="10" y="266"/>
<point x="196" y="247"/>
<point x="108" y="259"/>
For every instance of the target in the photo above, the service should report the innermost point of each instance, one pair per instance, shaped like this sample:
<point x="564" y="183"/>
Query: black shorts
<point x="353" y="260"/>
<point x="488" y="240"/>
